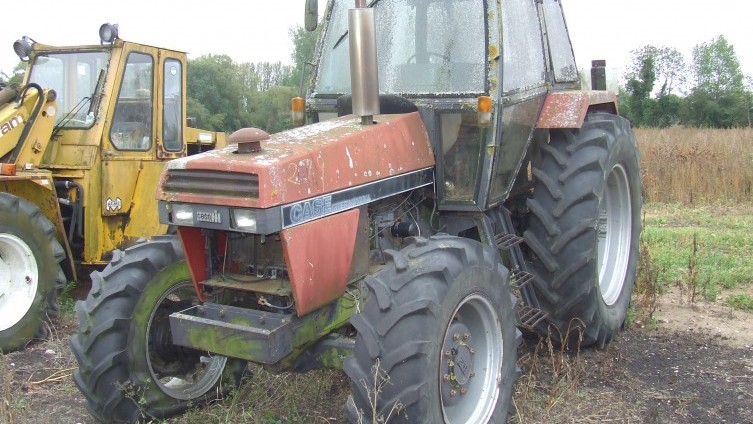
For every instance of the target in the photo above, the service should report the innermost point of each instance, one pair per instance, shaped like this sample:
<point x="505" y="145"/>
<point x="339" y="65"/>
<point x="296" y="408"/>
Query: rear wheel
<point x="436" y="338"/>
<point x="585" y="226"/>
<point x="128" y="367"/>
<point x="30" y="272"/>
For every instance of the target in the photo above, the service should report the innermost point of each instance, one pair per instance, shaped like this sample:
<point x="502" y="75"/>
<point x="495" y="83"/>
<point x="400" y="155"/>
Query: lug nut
<point x="447" y="377"/>
<point x="473" y="351"/>
<point x="447" y="353"/>
<point x="456" y="337"/>
<point x="463" y="390"/>
<point x="453" y="392"/>
<point x="28" y="280"/>
<point x="466" y="336"/>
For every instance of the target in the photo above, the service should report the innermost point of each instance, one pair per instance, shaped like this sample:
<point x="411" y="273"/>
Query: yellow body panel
<point x="115" y="185"/>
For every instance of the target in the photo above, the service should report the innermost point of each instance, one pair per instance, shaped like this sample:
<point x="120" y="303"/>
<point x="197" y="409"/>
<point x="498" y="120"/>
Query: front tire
<point x="128" y="367"/>
<point x="436" y="338"/>
<point x="30" y="273"/>
<point x="584" y="228"/>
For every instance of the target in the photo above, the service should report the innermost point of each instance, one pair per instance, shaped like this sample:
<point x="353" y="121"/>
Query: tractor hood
<point x="301" y="163"/>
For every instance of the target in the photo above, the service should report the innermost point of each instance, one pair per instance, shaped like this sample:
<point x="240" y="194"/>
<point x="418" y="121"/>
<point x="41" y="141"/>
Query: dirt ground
<point x="694" y="366"/>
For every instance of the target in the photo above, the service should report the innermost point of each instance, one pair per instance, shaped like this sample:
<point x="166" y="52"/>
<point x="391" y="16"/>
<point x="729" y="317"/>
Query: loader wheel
<point x="436" y="337"/>
<point x="129" y="370"/>
<point x="584" y="228"/>
<point x="30" y="273"/>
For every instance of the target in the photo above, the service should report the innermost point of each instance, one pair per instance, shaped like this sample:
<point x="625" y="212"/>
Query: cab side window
<point x="132" y="124"/>
<point x="523" y="50"/>
<point x="172" y="112"/>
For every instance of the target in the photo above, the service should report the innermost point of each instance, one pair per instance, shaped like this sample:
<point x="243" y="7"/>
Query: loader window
<point x="131" y="127"/>
<point x="423" y="47"/>
<point x="172" y="108"/>
<point x="73" y="76"/>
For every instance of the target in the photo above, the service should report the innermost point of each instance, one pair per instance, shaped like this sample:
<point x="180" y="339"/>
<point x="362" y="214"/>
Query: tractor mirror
<point x="312" y="15"/>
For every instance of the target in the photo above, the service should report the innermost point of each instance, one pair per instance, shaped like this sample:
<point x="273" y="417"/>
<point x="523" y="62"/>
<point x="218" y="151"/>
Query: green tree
<point x="653" y="81"/>
<point x="304" y="49"/>
<point x="640" y="84"/>
<point x="223" y="89"/>
<point x="719" y="98"/>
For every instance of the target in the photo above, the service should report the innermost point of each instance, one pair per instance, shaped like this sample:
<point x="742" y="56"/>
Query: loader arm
<point x="26" y="125"/>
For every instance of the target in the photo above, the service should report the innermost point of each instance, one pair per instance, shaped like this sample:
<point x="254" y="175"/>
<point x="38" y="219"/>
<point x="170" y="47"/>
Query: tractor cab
<point x="478" y="79"/>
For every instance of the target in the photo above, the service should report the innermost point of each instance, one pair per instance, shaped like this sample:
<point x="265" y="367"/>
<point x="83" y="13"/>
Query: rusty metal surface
<point x="320" y="158"/>
<point x="567" y="109"/>
<point x="319" y="256"/>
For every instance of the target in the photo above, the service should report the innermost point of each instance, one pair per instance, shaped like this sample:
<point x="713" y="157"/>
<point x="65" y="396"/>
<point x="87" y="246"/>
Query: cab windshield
<point x="73" y="76"/>
<point x="424" y="47"/>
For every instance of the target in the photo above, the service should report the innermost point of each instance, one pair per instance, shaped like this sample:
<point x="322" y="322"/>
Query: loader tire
<point x="129" y="370"/>
<point x="438" y="334"/>
<point x="584" y="229"/>
<point x="30" y="273"/>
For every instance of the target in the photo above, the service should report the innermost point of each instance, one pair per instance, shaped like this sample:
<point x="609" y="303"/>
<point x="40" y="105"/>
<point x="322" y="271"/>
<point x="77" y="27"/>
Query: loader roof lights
<point x="22" y="48"/>
<point x="108" y="33"/>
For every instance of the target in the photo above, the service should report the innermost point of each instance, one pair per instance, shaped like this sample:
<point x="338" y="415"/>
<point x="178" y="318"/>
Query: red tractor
<point x="454" y="184"/>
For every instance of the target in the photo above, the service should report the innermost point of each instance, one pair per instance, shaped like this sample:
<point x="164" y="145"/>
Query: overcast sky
<point x="258" y="30"/>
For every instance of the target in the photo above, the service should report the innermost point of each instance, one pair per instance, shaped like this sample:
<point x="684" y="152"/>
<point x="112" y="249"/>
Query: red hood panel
<point x="315" y="159"/>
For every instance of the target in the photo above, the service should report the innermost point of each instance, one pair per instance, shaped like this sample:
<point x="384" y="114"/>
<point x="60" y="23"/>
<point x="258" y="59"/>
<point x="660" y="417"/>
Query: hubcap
<point x="18" y="280"/>
<point x="179" y="372"/>
<point x="470" y="366"/>
<point x="615" y="234"/>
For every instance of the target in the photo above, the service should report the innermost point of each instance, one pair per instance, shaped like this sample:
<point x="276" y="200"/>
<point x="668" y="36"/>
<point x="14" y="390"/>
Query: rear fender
<point x="568" y="109"/>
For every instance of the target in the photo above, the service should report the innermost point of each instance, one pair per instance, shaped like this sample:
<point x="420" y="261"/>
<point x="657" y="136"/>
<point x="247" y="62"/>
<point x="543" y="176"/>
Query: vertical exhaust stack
<point x="598" y="75"/>
<point x="364" y="79"/>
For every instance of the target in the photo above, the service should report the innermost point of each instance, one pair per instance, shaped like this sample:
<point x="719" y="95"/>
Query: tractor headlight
<point x="181" y="214"/>
<point x="244" y="220"/>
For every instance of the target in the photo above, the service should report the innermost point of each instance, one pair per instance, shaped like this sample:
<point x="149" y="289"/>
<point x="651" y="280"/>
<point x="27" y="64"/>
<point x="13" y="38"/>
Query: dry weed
<point x="696" y="165"/>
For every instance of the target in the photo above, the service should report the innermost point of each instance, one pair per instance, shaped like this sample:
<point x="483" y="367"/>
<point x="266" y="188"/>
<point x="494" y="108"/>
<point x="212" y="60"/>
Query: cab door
<point x="524" y="87"/>
<point x="130" y="166"/>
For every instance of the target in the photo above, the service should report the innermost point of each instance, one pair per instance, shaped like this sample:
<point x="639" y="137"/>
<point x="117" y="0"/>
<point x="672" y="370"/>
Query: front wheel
<point x="436" y="338"/>
<point x="128" y="367"/>
<point x="30" y="273"/>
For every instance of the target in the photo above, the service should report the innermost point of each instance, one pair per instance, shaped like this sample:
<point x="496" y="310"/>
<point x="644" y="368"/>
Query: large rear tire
<point x="129" y="369"/>
<point x="584" y="228"/>
<point x="30" y="273"/>
<point x="439" y="324"/>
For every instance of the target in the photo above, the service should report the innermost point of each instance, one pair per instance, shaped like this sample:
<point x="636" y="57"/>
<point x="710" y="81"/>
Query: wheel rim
<point x="181" y="373"/>
<point x="614" y="235"/>
<point x="470" y="370"/>
<point x="19" y="279"/>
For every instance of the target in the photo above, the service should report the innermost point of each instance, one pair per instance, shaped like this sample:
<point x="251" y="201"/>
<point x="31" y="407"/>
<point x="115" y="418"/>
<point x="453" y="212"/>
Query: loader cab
<point x="121" y="114"/>
<point x="443" y="57"/>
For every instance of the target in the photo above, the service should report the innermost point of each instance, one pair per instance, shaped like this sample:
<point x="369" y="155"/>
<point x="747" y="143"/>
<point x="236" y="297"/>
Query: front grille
<point x="218" y="183"/>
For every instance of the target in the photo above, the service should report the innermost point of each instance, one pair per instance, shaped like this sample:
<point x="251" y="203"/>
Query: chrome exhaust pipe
<point x="364" y="79"/>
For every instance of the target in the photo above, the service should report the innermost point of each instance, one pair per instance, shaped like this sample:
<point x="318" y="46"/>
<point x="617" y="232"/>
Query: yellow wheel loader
<point x="82" y="145"/>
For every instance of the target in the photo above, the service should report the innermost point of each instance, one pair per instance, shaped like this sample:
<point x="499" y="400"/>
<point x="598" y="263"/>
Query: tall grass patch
<point x="702" y="250"/>
<point x="696" y="165"/>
